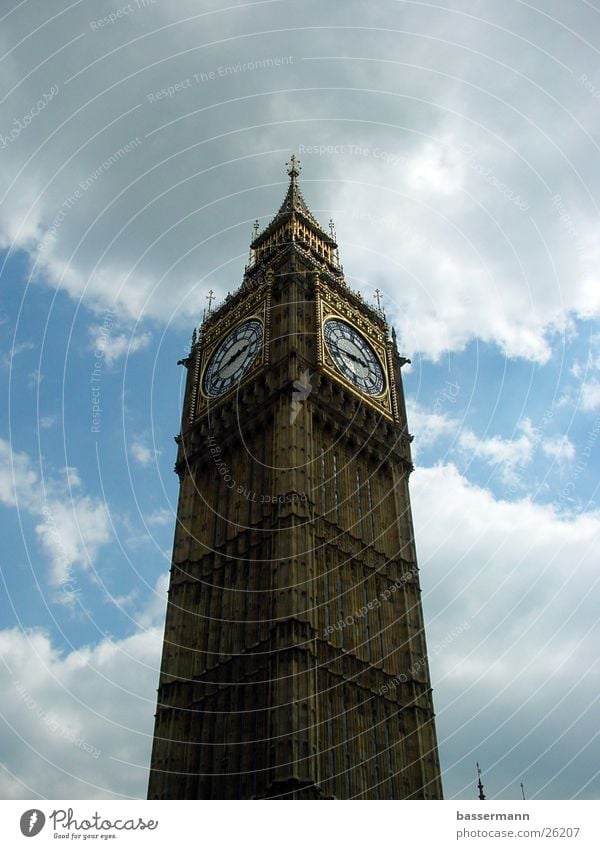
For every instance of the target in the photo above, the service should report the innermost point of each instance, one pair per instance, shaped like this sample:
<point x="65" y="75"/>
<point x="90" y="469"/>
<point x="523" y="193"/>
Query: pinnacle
<point x="293" y="204"/>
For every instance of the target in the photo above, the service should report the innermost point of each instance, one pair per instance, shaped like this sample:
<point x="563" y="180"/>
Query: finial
<point x="210" y="298"/>
<point x="293" y="167"/>
<point x="378" y="296"/>
<point x="251" y="253"/>
<point x="479" y="784"/>
<point x="194" y="337"/>
<point x="332" y="233"/>
<point x="522" y="791"/>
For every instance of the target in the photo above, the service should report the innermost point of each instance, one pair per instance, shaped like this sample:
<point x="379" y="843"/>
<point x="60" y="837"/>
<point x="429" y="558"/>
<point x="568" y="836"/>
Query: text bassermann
<point x="480" y="816"/>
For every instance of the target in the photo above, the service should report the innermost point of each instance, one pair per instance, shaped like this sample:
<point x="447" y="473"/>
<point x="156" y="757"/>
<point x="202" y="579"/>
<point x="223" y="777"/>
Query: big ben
<point x="294" y="661"/>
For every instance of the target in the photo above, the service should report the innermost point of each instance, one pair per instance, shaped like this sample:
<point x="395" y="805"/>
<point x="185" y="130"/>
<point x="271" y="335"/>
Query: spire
<point x="294" y="222"/>
<point x="479" y="784"/>
<point x="294" y="201"/>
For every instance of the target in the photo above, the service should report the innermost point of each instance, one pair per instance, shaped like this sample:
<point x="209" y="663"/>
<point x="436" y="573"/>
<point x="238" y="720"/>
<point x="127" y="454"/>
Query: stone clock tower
<point x="294" y="662"/>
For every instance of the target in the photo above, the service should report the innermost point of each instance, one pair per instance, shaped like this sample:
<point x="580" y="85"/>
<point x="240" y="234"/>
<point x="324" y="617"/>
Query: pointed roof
<point x="294" y="200"/>
<point x="293" y="204"/>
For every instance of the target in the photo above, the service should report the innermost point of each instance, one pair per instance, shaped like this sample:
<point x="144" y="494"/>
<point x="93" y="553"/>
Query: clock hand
<point x="358" y="360"/>
<point x="234" y="357"/>
<point x="352" y="356"/>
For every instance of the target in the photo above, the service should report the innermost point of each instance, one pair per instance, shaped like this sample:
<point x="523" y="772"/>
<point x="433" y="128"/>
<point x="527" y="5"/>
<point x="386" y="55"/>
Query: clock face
<point x="354" y="357"/>
<point x="233" y="357"/>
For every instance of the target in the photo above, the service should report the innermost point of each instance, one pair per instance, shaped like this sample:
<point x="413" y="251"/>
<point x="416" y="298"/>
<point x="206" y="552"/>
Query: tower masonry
<point x="294" y="661"/>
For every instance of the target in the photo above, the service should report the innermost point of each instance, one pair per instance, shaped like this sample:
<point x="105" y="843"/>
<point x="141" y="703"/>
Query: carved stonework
<point x="294" y="662"/>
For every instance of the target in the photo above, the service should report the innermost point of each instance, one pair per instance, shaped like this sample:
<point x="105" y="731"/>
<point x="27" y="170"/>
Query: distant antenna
<point x="479" y="784"/>
<point x="522" y="791"/>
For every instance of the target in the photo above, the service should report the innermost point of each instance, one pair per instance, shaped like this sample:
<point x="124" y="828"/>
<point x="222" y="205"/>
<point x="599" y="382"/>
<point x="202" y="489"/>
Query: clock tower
<point x="294" y="662"/>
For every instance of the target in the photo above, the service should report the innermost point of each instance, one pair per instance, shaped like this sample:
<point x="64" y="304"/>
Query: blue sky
<point x="456" y="147"/>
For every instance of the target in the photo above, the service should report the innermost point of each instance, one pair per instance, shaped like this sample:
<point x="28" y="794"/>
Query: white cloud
<point x="142" y="453"/>
<point x="505" y="454"/>
<point x="444" y="236"/>
<point x="162" y="516"/>
<point x="16" y="475"/>
<point x="509" y="456"/>
<point x="7" y="357"/>
<point x="436" y="169"/>
<point x="587" y="373"/>
<point x="590" y="395"/>
<point x="429" y="427"/>
<point x="525" y="672"/>
<point x="71" y="531"/>
<point x="72" y="476"/>
<point x="78" y="724"/>
<point x="457" y="258"/>
<point x="154" y="611"/>
<point x="34" y="378"/>
<point x="559" y="447"/>
<point x="514" y="678"/>
<point x="110" y="346"/>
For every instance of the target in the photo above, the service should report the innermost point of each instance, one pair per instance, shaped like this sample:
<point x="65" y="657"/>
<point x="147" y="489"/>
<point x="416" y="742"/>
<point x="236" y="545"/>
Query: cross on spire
<point x="210" y="298"/>
<point x="378" y="296"/>
<point x="293" y="166"/>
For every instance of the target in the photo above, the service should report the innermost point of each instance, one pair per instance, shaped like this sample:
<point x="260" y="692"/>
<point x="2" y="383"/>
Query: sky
<point x="455" y="146"/>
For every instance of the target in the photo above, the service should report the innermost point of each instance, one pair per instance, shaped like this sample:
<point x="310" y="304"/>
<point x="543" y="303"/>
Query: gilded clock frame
<point x="257" y="307"/>
<point x="331" y="305"/>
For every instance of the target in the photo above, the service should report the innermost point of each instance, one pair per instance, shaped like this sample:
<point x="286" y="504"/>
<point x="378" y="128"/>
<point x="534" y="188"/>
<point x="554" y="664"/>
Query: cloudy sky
<point x="455" y="145"/>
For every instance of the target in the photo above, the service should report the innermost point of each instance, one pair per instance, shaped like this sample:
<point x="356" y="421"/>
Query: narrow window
<point x="245" y="614"/>
<point x="371" y="514"/>
<point x="367" y="624"/>
<point x="255" y="734"/>
<point x="341" y="607"/>
<point x="248" y="488"/>
<point x="360" y="515"/>
<point x="346" y="753"/>
<point x="375" y="754"/>
<point x="217" y="510"/>
<point x="380" y="626"/>
<point x="330" y="748"/>
<point x="327" y="595"/>
<point x="323" y="483"/>
<point x="336" y="498"/>
<point x="388" y="749"/>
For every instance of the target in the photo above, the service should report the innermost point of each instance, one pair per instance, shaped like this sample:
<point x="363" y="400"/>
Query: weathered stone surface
<point x="294" y="661"/>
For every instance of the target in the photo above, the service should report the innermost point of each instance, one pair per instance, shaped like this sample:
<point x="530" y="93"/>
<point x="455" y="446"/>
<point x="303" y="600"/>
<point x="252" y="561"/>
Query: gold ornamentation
<point x="256" y="305"/>
<point x="330" y="304"/>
